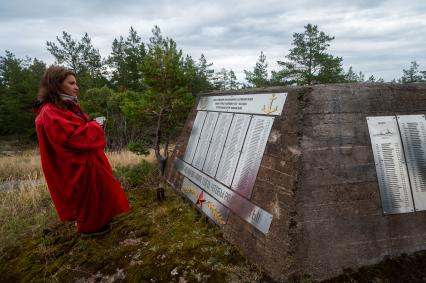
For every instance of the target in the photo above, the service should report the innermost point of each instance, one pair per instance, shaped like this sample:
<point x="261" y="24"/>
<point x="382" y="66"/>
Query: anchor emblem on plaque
<point x="270" y="109"/>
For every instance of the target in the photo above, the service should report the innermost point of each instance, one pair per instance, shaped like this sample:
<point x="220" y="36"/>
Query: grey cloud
<point x="372" y="36"/>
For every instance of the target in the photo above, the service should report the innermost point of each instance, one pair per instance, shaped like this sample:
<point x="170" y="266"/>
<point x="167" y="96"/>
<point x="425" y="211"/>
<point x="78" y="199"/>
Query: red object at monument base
<point x="200" y="199"/>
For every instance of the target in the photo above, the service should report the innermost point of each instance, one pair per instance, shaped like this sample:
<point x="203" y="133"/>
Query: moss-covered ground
<point x="154" y="242"/>
<point x="167" y="241"/>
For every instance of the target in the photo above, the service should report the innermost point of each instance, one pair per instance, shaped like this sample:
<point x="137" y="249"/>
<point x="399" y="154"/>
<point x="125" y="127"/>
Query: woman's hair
<point x="51" y="82"/>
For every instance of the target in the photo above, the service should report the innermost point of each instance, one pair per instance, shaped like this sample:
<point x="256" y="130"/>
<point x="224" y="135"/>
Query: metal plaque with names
<point x="195" y="135"/>
<point x="206" y="203"/>
<point x="217" y="143"/>
<point x="261" y="103"/>
<point x="413" y="134"/>
<point x="391" y="170"/>
<point x="204" y="140"/>
<point x="239" y="205"/>
<point x="251" y="155"/>
<point x="232" y="150"/>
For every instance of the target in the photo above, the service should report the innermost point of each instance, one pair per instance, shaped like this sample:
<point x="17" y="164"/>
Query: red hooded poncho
<point x="77" y="172"/>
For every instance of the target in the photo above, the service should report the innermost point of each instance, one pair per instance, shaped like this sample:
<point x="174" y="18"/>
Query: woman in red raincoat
<point x="77" y="172"/>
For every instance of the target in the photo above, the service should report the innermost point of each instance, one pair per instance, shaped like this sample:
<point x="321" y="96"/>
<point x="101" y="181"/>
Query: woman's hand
<point x="100" y="120"/>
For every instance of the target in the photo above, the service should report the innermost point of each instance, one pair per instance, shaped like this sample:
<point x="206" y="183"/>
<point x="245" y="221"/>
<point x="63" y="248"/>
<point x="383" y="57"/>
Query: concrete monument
<point x="309" y="180"/>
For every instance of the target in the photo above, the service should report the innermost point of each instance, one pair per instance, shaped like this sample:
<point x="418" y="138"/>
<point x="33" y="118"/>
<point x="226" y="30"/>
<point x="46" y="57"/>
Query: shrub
<point x="142" y="174"/>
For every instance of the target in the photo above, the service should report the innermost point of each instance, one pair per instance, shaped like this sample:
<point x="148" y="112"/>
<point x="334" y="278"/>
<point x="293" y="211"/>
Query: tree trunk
<point x="160" y="159"/>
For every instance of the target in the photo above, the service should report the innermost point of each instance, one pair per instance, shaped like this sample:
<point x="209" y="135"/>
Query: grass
<point x="25" y="204"/>
<point x="21" y="166"/>
<point x="26" y="165"/>
<point x="24" y="210"/>
<point x="154" y="242"/>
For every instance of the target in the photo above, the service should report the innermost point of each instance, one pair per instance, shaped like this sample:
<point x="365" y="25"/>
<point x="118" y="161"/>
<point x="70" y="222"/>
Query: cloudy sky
<point x="376" y="37"/>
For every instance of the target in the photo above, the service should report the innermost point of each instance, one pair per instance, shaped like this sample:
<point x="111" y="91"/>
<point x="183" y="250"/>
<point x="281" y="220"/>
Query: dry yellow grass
<point x="25" y="209"/>
<point x="125" y="158"/>
<point x="26" y="165"/>
<point x="25" y="204"/>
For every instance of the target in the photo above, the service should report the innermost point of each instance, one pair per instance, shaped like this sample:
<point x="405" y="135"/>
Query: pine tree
<point x="204" y="74"/>
<point x="352" y="77"/>
<point x="259" y="76"/>
<point x="19" y="81"/>
<point x="125" y="58"/>
<point x="233" y="83"/>
<point x="81" y="57"/>
<point x="413" y="74"/>
<point x="221" y="80"/>
<point x="163" y="107"/>
<point x="308" y="62"/>
<point x="201" y="75"/>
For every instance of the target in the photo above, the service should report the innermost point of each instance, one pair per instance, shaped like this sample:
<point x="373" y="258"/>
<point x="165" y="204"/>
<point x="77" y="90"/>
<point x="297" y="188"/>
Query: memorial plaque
<point x="204" y="140"/>
<point x="413" y="134"/>
<point x="232" y="150"/>
<point x="261" y="103"/>
<point x="210" y="206"/>
<point x="390" y="165"/>
<point x="251" y="213"/>
<point x="195" y="135"/>
<point x="217" y="143"/>
<point x="251" y="155"/>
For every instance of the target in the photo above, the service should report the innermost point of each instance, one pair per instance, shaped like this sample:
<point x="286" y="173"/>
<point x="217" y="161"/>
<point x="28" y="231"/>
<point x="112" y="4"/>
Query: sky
<point x="376" y="37"/>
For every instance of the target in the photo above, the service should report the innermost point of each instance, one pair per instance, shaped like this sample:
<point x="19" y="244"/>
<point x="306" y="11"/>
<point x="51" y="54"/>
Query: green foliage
<point x="199" y="74"/>
<point x="164" y="66"/>
<point x="81" y="57"/>
<point x="148" y="88"/>
<point x="203" y="80"/>
<point x="221" y="79"/>
<point x="372" y="79"/>
<point x="225" y="80"/>
<point x="124" y="60"/>
<point x="120" y="128"/>
<point x="413" y="74"/>
<point x="352" y="77"/>
<point x="259" y="76"/>
<point x="233" y="83"/>
<point x="142" y="174"/>
<point x="19" y="80"/>
<point x="308" y="61"/>
<point x="138" y="147"/>
<point x="166" y="103"/>
<point x="95" y="101"/>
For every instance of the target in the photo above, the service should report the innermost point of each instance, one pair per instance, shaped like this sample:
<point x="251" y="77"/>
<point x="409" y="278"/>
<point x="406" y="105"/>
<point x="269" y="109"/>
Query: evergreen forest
<point x="145" y="89"/>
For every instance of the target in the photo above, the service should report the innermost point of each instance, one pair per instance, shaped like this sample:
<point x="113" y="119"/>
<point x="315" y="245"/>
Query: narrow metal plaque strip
<point x="232" y="150"/>
<point x="204" y="141"/>
<point x="413" y="134"/>
<point x="261" y="103"/>
<point x="390" y="165"/>
<point x="194" y="137"/>
<point x="251" y="213"/>
<point x="210" y="206"/>
<point x="251" y="155"/>
<point x="217" y="143"/>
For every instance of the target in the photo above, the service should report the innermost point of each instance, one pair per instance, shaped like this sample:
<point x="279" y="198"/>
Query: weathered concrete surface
<point x="318" y="179"/>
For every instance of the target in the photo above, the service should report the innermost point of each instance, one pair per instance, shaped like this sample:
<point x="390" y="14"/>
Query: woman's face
<point x="69" y="86"/>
